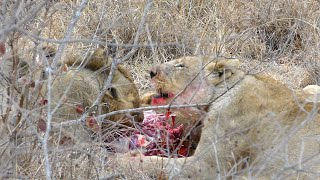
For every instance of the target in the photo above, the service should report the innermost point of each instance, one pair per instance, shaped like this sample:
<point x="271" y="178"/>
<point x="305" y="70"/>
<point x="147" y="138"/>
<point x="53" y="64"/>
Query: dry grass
<point x="280" y="38"/>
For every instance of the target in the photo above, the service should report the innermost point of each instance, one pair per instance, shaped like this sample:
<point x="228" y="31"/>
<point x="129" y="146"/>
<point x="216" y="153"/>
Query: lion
<point x="255" y="127"/>
<point x="75" y="90"/>
<point x="123" y="94"/>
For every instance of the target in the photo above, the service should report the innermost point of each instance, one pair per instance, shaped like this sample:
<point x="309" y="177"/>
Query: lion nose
<point x="153" y="72"/>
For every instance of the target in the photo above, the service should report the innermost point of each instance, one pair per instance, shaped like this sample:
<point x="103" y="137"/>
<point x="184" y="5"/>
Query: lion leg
<point x="145" y="99"/>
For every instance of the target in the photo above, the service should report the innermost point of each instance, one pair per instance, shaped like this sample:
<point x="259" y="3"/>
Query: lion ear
<point x="229" y="64"/>
<point x="220" y="65"/>
<point x="221" y="69"/>
<point x="235" y="63"/>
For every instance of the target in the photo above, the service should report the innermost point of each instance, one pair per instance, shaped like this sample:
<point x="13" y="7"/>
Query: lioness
<point x="75" y="91"/>
<point x="255" y="126"/>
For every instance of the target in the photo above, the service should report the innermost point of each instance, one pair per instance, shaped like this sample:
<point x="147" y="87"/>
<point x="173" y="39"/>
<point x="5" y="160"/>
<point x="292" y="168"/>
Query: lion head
<point x="189" y="77"/>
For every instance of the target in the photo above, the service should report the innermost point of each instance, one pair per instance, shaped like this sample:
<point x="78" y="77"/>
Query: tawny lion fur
<point x="255" y="128"/>
<point x="80" y="87"/>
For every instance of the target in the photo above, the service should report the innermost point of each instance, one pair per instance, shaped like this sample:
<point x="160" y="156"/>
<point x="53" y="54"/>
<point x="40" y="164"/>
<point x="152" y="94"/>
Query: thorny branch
<point x="11" y="24"/>
<point x="115" y="62"/>
<point x="68" y="34"/>
<point x="134" y="49"/>
<point x="69" y="31"/>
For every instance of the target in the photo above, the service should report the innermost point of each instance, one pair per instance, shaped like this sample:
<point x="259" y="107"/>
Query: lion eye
<point x="217" y="74"/>
<point x="180" y="66"/>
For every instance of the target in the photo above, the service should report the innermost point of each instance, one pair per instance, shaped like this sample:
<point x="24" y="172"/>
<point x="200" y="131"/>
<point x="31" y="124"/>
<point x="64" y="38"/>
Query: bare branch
<point x="68" y="34"/>
<point x="115" y="62"/>
<point x="11" y="25"/>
